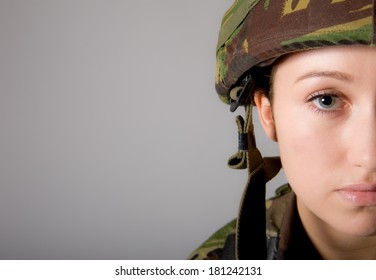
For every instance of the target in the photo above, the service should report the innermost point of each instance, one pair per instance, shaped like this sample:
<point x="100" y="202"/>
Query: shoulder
<point x="276" y="208"/>
<point x="212" y="248"/>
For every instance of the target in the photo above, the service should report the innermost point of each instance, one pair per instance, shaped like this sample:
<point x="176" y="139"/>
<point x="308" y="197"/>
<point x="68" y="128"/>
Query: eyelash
<point x="310" y="100"/>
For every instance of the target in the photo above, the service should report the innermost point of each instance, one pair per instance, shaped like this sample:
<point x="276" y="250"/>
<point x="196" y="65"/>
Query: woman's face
<point x="324" y="120"/>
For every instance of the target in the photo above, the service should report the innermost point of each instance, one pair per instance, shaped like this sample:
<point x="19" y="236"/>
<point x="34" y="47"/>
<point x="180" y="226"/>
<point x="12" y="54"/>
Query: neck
<point x="333" y="244"/>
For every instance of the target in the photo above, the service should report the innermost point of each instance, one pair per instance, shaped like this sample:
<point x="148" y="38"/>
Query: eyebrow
<point x="326" y="74"/>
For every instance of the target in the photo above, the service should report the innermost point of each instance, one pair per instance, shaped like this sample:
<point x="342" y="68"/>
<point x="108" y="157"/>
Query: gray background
<point x="113" y="143"/>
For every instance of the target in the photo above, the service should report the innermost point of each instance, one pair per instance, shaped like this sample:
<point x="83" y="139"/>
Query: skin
<point x="323" y="116"/>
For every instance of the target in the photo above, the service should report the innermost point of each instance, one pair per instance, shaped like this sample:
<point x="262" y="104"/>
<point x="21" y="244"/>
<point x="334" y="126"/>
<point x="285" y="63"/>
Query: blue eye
<point x="326" y="101"/>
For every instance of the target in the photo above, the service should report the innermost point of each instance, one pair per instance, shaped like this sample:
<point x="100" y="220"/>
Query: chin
<point x="364" y="229"/>
<point x="367" y="233"/>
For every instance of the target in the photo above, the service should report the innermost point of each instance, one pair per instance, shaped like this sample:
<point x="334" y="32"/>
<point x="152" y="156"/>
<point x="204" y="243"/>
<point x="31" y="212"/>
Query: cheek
<point x="293" y="133"/>
<point x="307" y="149"/>
<point x="294" y="141"/>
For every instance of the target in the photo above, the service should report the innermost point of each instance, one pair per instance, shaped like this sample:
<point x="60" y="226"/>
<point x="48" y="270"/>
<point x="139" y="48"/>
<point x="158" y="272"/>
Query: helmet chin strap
<point x="251" y="223"/>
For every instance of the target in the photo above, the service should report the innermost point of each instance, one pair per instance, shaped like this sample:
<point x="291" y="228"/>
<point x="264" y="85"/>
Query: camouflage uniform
<point x="253" y="35"/>
<point x="286" y="238"/>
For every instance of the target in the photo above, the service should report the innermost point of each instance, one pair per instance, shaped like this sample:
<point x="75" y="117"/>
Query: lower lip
<point x="359" y="197"/>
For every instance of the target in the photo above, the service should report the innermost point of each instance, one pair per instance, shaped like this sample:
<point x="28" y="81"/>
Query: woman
<point x="309" y="67"/>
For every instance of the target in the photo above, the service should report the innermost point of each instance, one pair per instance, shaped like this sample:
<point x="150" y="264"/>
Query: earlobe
<point x="265" y="112"/>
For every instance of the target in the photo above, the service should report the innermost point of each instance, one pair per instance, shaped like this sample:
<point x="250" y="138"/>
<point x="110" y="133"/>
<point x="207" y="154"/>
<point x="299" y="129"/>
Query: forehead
<point x="349" y="59"/>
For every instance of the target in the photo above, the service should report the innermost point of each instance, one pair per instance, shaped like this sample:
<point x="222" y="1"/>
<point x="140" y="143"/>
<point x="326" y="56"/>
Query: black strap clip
<point x="248" y="83"/>
<point x="242" y="141"/>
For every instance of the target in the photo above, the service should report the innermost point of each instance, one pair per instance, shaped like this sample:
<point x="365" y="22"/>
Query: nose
<point x="362" y="148"/>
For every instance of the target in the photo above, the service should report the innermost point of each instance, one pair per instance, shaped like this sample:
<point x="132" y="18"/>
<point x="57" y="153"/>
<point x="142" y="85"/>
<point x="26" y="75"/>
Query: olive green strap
<point x="251" y="223"/>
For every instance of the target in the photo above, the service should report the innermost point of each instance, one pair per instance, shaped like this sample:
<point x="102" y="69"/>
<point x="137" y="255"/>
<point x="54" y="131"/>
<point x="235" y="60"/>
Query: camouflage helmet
<point x="256" y="32"/>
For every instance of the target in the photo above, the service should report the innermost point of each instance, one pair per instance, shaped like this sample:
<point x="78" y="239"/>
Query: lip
<point x="359" y="194"/>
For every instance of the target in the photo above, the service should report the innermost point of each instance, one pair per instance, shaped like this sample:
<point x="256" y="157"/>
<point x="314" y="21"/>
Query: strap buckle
<point x="248" y="83"/>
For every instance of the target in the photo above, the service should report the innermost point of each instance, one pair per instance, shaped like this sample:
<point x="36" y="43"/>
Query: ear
<point x="265" y="112"/>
